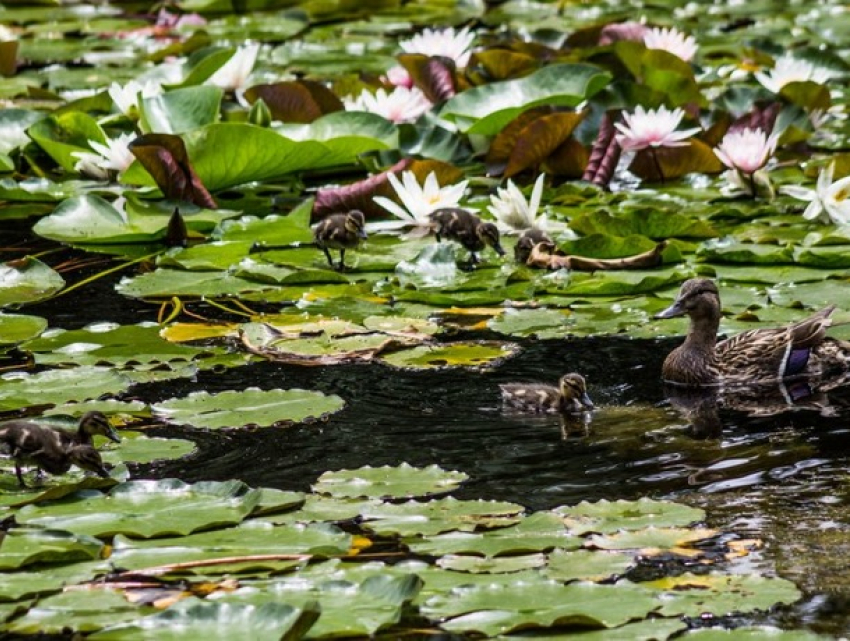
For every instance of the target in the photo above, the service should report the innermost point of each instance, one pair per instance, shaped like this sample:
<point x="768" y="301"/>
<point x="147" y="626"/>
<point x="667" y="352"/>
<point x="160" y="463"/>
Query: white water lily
<point x="127" y="97"/>
<point x="398" y="76"/>
<point x="652" y="128"/>
<point x="114" y="156"/>
<point x="671" y="40"/>
<point x="788" y="69"/>
<point x="828" y="202"/>
<point x="746" y="150"/>
<point x="446" y="42"/>
<point x="233" y="74"/>
<point x="399" y="105"/>
<point x="7" y="35"/>
<point x="513" y="213"/>
<point x="418" y="201"/>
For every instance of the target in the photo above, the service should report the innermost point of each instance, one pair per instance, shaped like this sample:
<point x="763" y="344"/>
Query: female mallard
<point x="340" y="231"/>
<point x="569" y="396"/>
<point x="755" y="356"/>
<point x="467" y="229"/>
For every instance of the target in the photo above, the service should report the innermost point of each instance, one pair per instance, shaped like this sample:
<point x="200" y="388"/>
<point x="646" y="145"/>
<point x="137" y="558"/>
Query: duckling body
<point x="466" y="228"/>
<point x="340" y="231"/>
<point x="569" y="396"/>
<point x="755" y="356"/>
<point x="526" y="242"/>
<point x="55" y="450"/>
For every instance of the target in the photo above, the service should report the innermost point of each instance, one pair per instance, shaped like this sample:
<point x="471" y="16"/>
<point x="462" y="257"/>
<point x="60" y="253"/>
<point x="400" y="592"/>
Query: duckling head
<point x="574" y="390"/>
<point x="530" y="238"/>
<point x="96" y="423"/>
<point x="489" y="235"/>
<point x="86" y="457"/>
<point x="355" y="223"/>
<point x="697" y="297"/>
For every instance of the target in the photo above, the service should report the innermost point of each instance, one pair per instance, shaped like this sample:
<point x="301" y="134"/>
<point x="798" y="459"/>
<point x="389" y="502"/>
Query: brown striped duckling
<point x="340" y="231"/>
<point x="756" y="356"/>
<point x="569" y="396"/>
<point x="466" y="228"/>
<point x="49" y="449"/>
<point x="526" y="242"/>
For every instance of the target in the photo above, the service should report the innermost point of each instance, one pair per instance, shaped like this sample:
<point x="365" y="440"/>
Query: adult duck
<point x="755" y="356"/>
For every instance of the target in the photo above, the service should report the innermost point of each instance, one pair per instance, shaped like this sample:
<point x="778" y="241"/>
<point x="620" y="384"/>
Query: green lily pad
<point x="752" y="633"/>
<point x="251" y="406"/>
<point x="136" y="447"/>
<point x="402" y="481"/>
<point x="571" y="565"/>
<point x="80" y="610"/>
<point x="15" y="328"/>
<point x="721" y="594"/>
<point x="491" y="565"/>
<point x="647" y="630"/>
<point x="266" y="622"/>
<point x="324" y="509"/>
<point x="460" y="354"/>
<point x="611" y="516"/>
<point x="180" y="110"/>
<point x="650" y="538"/>
<point x="27" y="280"/>
<point x="53" y="387"/>
<point x="499" y="608"/>
<point x="25" y="546"/>
<point x="439" y="515"/>
<point x="542" y="323"/>
<point x="47" y="579"/>
<point x="147" y="508"/>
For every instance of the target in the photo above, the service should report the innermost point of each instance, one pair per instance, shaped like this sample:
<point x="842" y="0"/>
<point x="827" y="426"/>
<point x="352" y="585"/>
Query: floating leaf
<point x="402" y="481"/>
<point x="490" y="565"/>
<point x="180" y="110"/>
<point x="15" y="328"/>
<point x="81" y="610"/>
<point x="461" y="354"/>
<point x="440" y="515"/>
<point x="53" y="387"/>
<point x="571" y="565"/>
<point x="251" y="406"/>
<point x="27" y="280"/>
<point x="24" y="546"/>
<point x="49" y="578"/>
<point x="651" y="538"/>
<point x="612" y="516"/>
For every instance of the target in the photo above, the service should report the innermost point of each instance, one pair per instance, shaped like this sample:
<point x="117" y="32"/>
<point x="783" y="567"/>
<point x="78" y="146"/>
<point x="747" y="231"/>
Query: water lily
<point x="233" y="74"/>
<point x="114" y="156"/>
<point x="652" y="128"/>
<point x="398" y="77"/>
<point x="828" y="201"/>
<point x="7" y="35"/>
<point x="746" y="150"/>
<point x="513" y="213"/>
<point x="399" y="105"/>
<point x="617" y="31"/>
<point x="127" y="97"/>
<point x="788" y="69"/>
<point x="671" y="40"/>
<point x="418" y="201"/>
<point x="446" y="42"/>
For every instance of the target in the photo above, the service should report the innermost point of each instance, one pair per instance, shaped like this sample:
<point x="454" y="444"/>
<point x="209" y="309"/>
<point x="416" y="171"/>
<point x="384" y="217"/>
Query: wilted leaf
<point x="164" y="157"/>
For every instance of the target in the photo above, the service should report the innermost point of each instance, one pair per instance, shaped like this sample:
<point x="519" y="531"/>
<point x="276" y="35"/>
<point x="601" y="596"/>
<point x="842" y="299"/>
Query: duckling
<point x="569" y="396"/>
<point x="51" y="450"/>
<point x="340" y="231"/>
<point x="755" y="356"/>
<point x="91" y="424"/>
<point x="526" y="242"/>
<point x="466" y="228"/>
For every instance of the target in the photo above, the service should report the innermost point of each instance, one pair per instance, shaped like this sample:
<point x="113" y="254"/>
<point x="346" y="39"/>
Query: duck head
<point x="697" y="297"/>
<point x="574" y="390"/>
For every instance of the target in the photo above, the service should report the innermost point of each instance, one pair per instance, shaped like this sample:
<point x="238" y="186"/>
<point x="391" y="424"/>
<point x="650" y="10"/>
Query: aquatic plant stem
<point x="95" y="277"/>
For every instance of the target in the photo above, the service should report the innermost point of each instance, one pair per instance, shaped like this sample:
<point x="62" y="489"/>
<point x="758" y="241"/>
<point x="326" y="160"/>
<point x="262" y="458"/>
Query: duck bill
<point x="585" y="400"/>
<point x="362" y="234"/>
<point x="498" y="249"/>
<point x="673" y="311"/>
<point x="112" y="435"/>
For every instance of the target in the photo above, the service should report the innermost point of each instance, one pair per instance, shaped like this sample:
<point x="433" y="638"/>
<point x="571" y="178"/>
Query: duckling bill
<point x="466" y="228"/>
<point x="569" y="396"/>
<point x="340" y="231"/>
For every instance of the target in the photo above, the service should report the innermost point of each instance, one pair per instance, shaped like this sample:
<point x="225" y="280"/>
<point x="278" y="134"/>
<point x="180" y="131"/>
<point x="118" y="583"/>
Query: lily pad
<point x="402" y="481"/>
<point x="439" y="515"/>
<point x="81" y="610"/>
<point x="15" y="328"/>
<point x="611" y="516"/>
<point x="251" y="406"/>
<point x="27" y="280"/>
<point x="460" y="354"/>
<point x="491" y="565"/>
<point x="571" y="565"/>
<point x="48" y="578"/>
<point x="651" y="538"/>
<point x="53" y="387"/>
<point x="25" y="546"/>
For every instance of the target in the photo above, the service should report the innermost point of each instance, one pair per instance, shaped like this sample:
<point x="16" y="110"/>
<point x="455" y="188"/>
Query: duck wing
<point x="773" y="353"/>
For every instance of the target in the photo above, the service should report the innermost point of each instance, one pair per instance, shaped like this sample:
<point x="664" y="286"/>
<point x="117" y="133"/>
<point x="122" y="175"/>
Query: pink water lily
<point x="671" y="40"/>
<point x="652" y="128"/>
<point x="446" y="42"/>
<point x="746" y="150"/>
<point x="402" y="104"/>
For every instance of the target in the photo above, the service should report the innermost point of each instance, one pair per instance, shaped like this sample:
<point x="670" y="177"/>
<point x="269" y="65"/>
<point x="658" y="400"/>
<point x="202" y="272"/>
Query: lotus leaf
<point x="499" y="608"/>
<point x="536" y="533"/>
<point x="15" y="328"/>
<point x="249" y="546"/>
<point x="58" y="386"/>
<point x="267" y="622"/>
<point x="721" y="594"/>
<point x="608" y="517"/>
<point x="251" y="406"/>
<point x="81" y="610"/>
<point x="25" y="546"/>
<point x="402" y="481"/>
<point x="27" y="280"/>
<point x="147" y="508"/>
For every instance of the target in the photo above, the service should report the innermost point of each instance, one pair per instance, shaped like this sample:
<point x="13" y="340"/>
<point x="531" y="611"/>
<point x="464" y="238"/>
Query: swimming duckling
<point x="526" y="242"/>
<point x="569" y="396"/>
<point x="467" y="229"/>
<point x="51" y="450"/>
<point x="340" y="231"/>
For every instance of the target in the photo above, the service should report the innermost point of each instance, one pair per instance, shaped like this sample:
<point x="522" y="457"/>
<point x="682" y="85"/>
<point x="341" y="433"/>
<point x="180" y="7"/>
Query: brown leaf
<point x="504" y="143"/>
<point x="539" y="139"/>
<point x="435" y="76"/>
<point x="568" y="160"/>
<point x="499" y="64"/>
<point x="675" y="162"/>
<point x="301" y="101"/>
<point x="165" y="159"/>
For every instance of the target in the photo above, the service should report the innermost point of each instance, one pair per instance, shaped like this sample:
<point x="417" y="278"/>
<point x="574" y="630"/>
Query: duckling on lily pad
<point x="529" y="239"/>
<point x="340" y="231"/>
<point x="569" y="396"/>
<point x="48" y="449"/>
<point x="466" y="228"/>
<point x="800" y="350"/>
